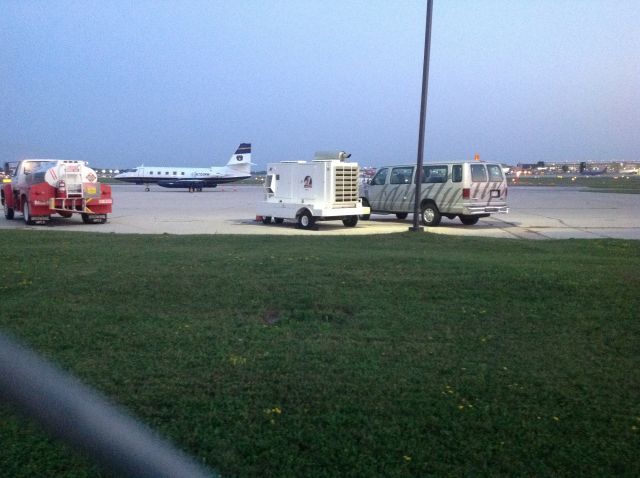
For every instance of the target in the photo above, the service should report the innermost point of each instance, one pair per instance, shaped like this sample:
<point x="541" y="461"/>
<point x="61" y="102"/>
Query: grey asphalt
<point x="535" y="213"/>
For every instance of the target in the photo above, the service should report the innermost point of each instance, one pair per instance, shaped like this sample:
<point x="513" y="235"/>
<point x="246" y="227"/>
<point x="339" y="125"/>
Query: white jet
<point x="194" y="179"/>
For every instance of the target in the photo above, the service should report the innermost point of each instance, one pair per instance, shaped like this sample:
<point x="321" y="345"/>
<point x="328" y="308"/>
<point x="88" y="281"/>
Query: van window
<point x="435" y="174"/>
<point x="456" y="173"/>
<point x="401" y="175"/>
<point x="478" y="173"/>
<point x="380" y="178"/>
<point x="495" y="172"/>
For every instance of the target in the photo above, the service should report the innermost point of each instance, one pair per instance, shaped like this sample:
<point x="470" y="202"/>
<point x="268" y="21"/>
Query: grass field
<point x="395" y="355"/>
<point x="610" y="184"/>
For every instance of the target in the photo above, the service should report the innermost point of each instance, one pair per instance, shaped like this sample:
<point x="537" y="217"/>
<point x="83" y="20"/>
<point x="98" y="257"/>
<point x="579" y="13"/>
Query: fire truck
<point x="39" y="188"/>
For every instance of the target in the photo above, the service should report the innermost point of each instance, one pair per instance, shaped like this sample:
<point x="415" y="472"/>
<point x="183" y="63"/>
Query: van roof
<point x="437" y="164"/>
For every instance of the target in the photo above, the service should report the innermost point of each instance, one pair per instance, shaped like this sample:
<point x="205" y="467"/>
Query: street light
<point x="423" y="114"/>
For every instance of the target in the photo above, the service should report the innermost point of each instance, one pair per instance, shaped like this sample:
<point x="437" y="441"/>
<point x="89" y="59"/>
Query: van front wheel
<point x="430" y="215"/>
<point x="468" y="220"/>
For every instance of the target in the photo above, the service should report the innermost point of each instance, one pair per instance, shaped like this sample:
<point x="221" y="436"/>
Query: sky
<point x="182" y="83"/>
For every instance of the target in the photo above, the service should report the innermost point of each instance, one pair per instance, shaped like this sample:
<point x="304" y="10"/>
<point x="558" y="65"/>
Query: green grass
<point x="395" y="355"/>
<point x="610" y="184"/>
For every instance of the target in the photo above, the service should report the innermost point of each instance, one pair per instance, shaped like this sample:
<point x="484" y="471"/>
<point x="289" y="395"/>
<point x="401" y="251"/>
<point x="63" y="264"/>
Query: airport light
<point x="423" y="115"/>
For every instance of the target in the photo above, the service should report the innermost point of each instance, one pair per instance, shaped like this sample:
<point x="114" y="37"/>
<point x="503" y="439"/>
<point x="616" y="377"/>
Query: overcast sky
<point x="124" y="83"/>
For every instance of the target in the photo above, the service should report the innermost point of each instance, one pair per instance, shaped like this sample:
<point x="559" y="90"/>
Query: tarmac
<point x="535" y="213"/>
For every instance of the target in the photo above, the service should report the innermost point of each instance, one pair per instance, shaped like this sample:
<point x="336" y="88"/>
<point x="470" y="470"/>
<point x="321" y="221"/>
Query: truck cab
<point x="467" y="190"/>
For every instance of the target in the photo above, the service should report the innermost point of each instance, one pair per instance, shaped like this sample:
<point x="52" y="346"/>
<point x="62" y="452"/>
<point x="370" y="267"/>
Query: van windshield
<point x="380" y="178"/>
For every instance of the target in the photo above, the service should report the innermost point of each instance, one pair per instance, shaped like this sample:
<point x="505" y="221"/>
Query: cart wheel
<point x="365" y="217"/>
<point x="306" y="220"/>
<point x="85" y="218"/>
<point x="350" y="221"/>
<point x="266" y="220"/>
<point x="278" y="220"/>
<point x="402" y="215"/>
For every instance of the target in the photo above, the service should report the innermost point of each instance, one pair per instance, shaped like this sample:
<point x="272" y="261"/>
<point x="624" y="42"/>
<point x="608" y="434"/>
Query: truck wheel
<point x="365" y="217"/>
<point x="26" y="213"/>
<point x="430" y="215"/>
<point x="402" y="215"/>
<point x="278" y="220"/>
<point x="350" y="221"/>
<point x="266" y="220"/>
<point x="8" y="211"/>
<point x="468" y="220"/>
<point x="306" y="220"/>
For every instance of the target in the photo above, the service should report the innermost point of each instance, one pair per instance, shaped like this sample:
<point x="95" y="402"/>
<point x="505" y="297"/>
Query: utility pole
<point x="423" y="115"/>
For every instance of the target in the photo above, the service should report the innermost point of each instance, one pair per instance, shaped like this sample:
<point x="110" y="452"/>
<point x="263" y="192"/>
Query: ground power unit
<point x="310" y="191"/>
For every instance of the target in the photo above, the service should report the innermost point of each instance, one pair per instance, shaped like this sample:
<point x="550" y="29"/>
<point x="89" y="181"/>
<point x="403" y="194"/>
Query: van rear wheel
<point x="430" y="215"/>
<point x="468" y="220"/>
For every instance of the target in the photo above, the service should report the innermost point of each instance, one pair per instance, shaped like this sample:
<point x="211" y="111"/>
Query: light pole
<point x="423" y="114"/>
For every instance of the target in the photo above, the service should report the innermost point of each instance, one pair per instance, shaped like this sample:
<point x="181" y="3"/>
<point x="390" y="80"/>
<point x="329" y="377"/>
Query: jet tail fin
<point x="241" y="159"/>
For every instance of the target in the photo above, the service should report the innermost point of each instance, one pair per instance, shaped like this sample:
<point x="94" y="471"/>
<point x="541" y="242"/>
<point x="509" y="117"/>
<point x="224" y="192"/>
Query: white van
<point x="468" y="190"/>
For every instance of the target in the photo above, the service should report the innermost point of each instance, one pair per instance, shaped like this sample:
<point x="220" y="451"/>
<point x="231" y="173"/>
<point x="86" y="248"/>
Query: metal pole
<point x="79" y="416"/>
<point x="423" y="115"/>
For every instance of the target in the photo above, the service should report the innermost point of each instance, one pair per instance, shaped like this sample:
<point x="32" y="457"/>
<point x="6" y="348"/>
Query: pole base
<point x="416" y="229"/>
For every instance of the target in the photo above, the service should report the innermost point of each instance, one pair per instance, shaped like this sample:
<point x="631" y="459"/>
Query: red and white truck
<point x="40" y="188"/>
